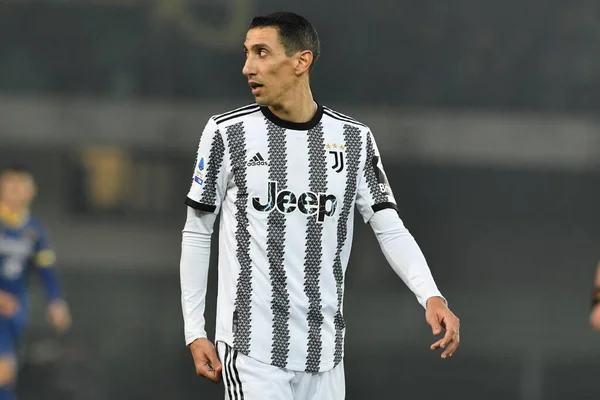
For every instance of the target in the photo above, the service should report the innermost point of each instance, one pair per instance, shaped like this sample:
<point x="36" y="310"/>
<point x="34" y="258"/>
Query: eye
<point x="262" y="53"/>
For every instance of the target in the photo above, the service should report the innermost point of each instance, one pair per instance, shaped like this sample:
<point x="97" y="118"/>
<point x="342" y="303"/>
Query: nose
<point x="248" y="69"/>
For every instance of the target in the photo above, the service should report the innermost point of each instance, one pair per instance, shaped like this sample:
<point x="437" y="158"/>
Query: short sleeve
<point x="374" y="192"/>
<point x="209" y="179"/>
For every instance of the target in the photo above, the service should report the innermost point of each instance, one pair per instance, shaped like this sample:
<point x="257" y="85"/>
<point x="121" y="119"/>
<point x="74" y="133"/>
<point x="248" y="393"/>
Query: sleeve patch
<point x="45" y="258"/>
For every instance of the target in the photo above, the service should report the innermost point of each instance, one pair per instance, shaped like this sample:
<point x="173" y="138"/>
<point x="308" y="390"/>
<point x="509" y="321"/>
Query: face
<point x="16" y="189"/>
<point x="270" y="72"/>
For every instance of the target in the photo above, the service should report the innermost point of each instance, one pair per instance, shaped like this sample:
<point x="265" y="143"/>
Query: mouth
<point x="256" y="87"/>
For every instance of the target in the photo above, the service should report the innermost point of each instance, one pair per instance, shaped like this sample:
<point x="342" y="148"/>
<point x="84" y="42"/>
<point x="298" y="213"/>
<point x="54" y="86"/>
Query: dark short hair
<point x="16" y="169"/>
<point x="296" y="33"/>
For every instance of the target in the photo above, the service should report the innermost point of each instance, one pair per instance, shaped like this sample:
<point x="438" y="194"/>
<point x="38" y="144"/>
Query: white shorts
<point x="248" y="379"/>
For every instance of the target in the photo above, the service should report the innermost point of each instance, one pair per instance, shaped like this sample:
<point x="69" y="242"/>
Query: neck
<point x="12" y="208"/>
<point x="12" y="214"/>
<point x="299" y="106"/>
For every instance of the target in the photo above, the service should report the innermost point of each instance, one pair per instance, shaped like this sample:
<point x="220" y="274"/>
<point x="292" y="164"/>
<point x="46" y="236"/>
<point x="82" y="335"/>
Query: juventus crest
<point x="337" y="155"/>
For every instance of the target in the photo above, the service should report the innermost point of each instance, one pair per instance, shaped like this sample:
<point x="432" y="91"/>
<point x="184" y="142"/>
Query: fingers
<point x="436" y="327"/>
<point x="206" y="360"/>
<point x="447" y="337"/>
<point x="62" y="323"/>
<point x="209" y="372"/>
<point x="206" y="368"/>
<point x="214" y="361"/>
<point x="434" y="320"/>
<point x="451" y="338"/>
<point x="436" y="345"/>
<point x="452" y="346"/>
<point x="61" y="318"/>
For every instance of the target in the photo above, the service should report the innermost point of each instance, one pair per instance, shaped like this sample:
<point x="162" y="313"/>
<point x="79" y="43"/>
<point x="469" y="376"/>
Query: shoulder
<point x="35" y="229"/>
<point x="337" y="117"/>
<point x="34" y="224"/>
<point x="234" y="116"/>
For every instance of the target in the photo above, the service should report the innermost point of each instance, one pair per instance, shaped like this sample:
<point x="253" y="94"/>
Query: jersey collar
<point x="12" y="218"/>
<point x="297" y="126"/>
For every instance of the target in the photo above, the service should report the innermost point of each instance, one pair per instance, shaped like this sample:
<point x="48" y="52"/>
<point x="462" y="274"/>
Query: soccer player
<point x="23" y="246"/>
<point x="285" y="174"/>
<point x="595" y="314"/>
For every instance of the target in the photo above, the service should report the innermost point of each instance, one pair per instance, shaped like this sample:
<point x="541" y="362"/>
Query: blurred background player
<point x="595" y="315"/>
<point x="23" y="246"/>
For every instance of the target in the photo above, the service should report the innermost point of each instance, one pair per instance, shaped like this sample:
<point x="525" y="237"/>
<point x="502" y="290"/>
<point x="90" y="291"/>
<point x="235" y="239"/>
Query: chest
<point x="17" y="243"/>
<point x="298" y="172"/>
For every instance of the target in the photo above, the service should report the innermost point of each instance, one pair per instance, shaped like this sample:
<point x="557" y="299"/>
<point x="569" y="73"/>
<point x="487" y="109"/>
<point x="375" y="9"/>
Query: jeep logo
<point x="286" y="202"/>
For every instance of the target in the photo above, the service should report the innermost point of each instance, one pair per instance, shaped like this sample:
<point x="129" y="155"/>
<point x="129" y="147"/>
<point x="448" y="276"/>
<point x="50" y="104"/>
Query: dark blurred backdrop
<point x="486" y="116"/>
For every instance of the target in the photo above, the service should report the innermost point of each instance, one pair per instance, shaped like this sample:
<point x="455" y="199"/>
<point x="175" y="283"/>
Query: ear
<point x="33" y="189"/>
<point x="304" y="61"/>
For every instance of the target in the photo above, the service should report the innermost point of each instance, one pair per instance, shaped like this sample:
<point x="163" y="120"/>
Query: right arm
<point x="204" y="199"/>
<point x="193" y="271"/>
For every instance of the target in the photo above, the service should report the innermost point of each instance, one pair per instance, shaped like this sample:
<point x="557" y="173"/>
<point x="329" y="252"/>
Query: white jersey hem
<point x="228" y="339"/>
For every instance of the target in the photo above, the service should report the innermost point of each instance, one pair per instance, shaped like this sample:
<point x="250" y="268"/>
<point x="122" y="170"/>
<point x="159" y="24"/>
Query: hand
<point x="59" y="316"/>
<point x="439" y="316"/>
<point x="595" y="317"/>
<point x="206" y="360"/>
<point x="9" y="304"/>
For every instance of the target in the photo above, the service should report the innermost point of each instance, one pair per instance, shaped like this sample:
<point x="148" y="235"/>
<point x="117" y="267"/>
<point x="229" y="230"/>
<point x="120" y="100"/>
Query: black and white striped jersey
<point x="286" y="193"/>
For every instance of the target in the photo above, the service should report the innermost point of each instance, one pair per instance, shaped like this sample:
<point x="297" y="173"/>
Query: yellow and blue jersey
<point x="24" y="247"/>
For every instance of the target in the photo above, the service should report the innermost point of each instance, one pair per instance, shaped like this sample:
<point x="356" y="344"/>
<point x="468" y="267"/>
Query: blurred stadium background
<point x="487" y="117"/>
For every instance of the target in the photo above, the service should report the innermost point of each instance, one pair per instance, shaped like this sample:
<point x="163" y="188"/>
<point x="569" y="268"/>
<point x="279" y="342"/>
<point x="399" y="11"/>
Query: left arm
<point x="45" y="265"/>
<point x="44" y="262"/>
<point x="404" y="255"/>
<point x="376" y="203"/>
<point x="406" y="259"/>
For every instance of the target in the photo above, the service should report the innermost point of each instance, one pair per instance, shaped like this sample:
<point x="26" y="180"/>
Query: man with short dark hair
<point x="285" y="175"/>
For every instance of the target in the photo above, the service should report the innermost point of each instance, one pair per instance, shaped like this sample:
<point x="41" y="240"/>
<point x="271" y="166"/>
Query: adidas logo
<point x="257" y="160"/>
